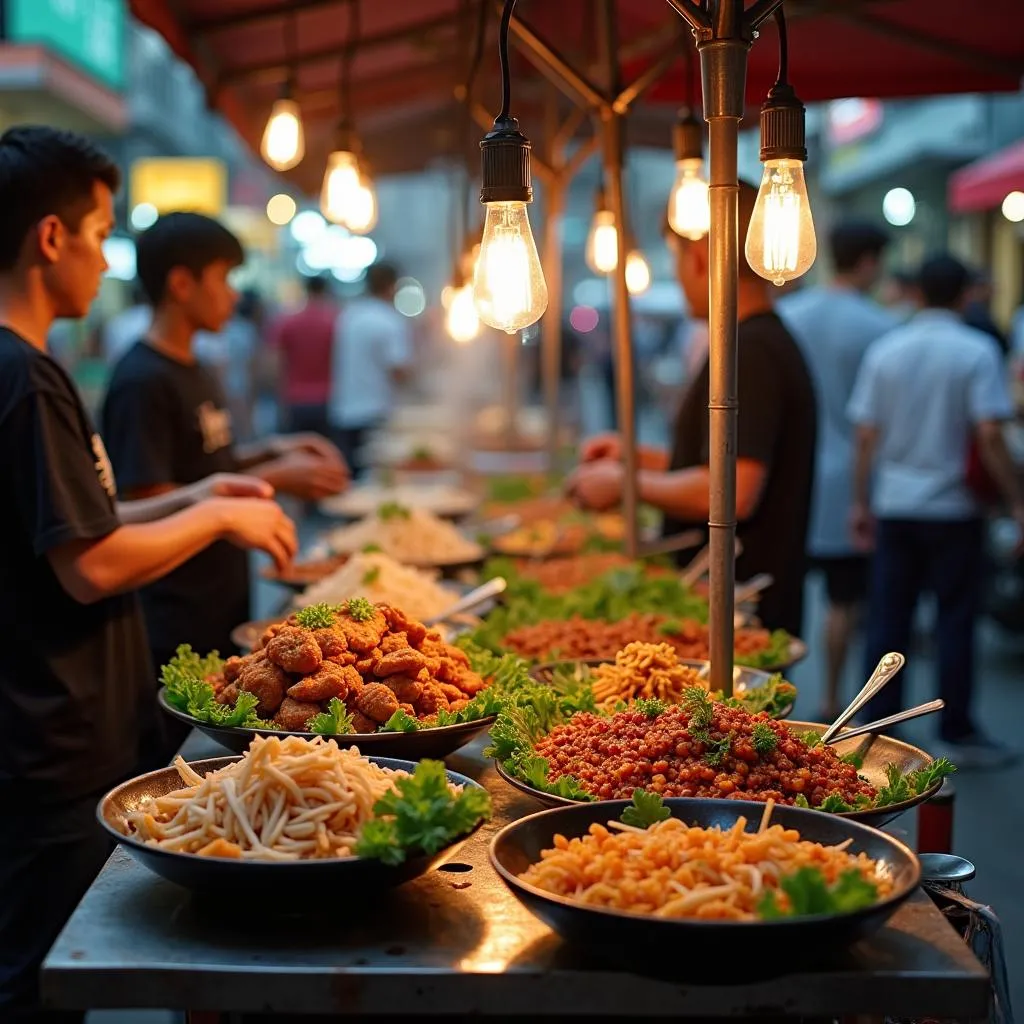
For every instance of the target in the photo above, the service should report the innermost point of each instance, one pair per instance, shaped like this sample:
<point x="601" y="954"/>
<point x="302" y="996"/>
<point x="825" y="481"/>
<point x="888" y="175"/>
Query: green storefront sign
<point x="89" y="34"/>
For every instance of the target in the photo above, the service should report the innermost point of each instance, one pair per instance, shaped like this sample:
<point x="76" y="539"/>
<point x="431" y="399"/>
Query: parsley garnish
<point x="699" y="707"/>
<point x="358" y="608"/>
<point x="421" y="814"/>
<point x="645" y="810"/>
<point x="811" y="738"/>
<point x="184" y="677"/>
<point x="853" y="758"/>
<point x="401" y="721"/>
<point x="372" y="549"/>
<point x="371" y="575"/>
<point x="392" y="510"/>
<point x="670" y="627"/>
<point x="649" y="706"/>
<point x="764" y="738"/>
<point x="318" y="616"/>
<point x="809" y="893"/>
<point x="335" y="721"/>
<point x="717" y="749"/>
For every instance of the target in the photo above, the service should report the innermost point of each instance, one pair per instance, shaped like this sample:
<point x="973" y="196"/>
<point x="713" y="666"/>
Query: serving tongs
<point x="746" y="592"/>
<point x="884" y="671"/>
<point x="701" y="562"/>
<point x="476" y="597"/>
<point x="883" y="723"/>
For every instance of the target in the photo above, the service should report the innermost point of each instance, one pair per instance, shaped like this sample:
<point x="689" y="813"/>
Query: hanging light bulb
<point x="283" y="144"/>
<point x="462" y="320"/>
<point x="602" y="252"/>
<point x="781" y="245"/>
<point x="348" y="197"/>
<point x="638" y="273"/>
<point x="508" y="284"/>
<point x="362" y="214"/>
<point x="689" y="206"/>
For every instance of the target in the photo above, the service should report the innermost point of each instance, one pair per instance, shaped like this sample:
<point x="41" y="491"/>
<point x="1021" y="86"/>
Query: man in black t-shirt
<point x="76" y="684"/>
<point x="166" y="424"/>
<point x="775" y="442"/>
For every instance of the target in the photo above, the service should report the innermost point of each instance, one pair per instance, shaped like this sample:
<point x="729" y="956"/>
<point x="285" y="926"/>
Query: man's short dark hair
<point x="44" y="171"/>
<point x="316" y="284"/>
<point x="851" y="241"/>
<point x="187" y="240"/>
<point x="943" y="281"/>
<point x="381" y="278"/>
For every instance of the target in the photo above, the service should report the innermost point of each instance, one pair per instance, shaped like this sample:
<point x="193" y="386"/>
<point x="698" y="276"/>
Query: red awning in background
<point x="414" y="55"/>
<point x="984" y="184"/>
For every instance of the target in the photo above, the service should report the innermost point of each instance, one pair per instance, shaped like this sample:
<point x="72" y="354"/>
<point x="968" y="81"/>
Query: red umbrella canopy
<point x="412" y="55"/>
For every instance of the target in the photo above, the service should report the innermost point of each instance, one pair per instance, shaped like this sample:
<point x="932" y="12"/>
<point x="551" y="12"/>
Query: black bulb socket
<point x="783" y="135"/>
<point x="505" y="164"/>
<point x="688" y="137"/>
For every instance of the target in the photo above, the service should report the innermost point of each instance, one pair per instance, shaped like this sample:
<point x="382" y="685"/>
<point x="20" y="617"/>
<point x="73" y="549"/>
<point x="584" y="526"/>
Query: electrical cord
<point x="506" y="84"/>
<point x="780" y="21"/>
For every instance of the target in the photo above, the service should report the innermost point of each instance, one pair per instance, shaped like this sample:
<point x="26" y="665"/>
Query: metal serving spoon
<point x="477" y="596"/>
<point x="883" y="723"/>
<point x="890" y="664"/>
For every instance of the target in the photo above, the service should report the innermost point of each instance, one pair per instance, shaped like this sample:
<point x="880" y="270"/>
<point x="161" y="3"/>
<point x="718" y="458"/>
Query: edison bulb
<point x="462" y="321"/>
<point x="689" y="206"/>
<point x="603" y="243"/>
<point x="343" y="188"/>
<point x="780" y="241"/>
<point x="362" y="213"/>
<point x="283" y="144"/>
<point x="638" y="273"/>
<point x="508" y="284"/>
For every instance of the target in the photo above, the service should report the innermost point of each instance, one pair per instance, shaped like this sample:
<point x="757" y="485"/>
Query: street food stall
<point x="304" y="877"/>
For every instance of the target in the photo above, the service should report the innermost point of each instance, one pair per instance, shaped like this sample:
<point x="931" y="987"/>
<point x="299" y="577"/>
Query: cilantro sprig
<point x="645" y="810"/>
<point x="335" y="721"/>
<point x="808" y="893"/>
<point x="421" y="814"/>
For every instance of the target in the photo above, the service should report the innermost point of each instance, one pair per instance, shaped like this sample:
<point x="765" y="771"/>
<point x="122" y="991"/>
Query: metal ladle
<point x="477" y="596"/>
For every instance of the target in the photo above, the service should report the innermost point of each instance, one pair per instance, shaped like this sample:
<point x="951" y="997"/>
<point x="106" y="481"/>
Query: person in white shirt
<point x="372" y="354"/>
<point x="926" y="393"/>
<point x="834" y="326"/>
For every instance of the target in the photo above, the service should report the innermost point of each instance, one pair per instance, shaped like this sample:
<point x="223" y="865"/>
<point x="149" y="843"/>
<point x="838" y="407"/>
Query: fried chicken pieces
<point x="377" y="664"/>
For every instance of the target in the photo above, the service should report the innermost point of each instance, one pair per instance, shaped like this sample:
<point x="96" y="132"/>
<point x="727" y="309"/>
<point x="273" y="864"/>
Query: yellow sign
<point x="199" y="185"/>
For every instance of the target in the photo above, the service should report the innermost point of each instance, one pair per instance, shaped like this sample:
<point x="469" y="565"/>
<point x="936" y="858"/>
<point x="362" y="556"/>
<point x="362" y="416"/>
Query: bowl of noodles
<point x="409" y="535"/>
<point x="310" y="810"/>
<point x="708" y="878"/>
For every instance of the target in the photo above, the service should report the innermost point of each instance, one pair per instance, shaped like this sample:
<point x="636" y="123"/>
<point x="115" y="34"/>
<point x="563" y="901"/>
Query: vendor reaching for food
<point x="775" y="441"/>
<point x="166" y="425"/>
<point x="77" y="701"/>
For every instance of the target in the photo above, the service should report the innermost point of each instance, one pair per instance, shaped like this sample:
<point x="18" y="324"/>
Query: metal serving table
<point x="457" y="942"/>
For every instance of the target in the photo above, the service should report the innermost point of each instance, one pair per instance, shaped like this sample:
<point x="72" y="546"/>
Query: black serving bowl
<point x="437" y="742"/>
<point x="640" y="940"/>
<point x="225" y="877"/>
<point x="744" y="677"/>
<point x="877" y="752"/>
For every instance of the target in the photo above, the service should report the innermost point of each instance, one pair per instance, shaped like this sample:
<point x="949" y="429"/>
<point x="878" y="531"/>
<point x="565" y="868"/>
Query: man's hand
<point x="256" y="523"/>
<point x="603" y="446"/>
<point x="597" y="485"/>
<point x="862" y="528"/>
<point x="229" y="485"/>
<point x="305" y="475"/>
<point x="310" y="443"/>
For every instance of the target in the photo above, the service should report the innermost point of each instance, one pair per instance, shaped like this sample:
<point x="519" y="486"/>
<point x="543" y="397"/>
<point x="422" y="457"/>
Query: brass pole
<point x="612" y="131"/>
<point x="723" y="68"/>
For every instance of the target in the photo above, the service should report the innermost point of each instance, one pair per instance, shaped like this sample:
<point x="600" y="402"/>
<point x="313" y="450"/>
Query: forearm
<point x="683" y="494"/>
<point x="998" y="461"/>
<point x="135" y="555"/>
<point x="862" y="464"/>
<point x="250" y="456"/>
<point x="653" y="459"/>
<point x="156" y="506"/>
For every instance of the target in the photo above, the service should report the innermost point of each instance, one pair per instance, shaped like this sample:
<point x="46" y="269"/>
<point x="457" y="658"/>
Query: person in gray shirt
<point x="927" y="393"/>
<point x="834" y="325"/>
